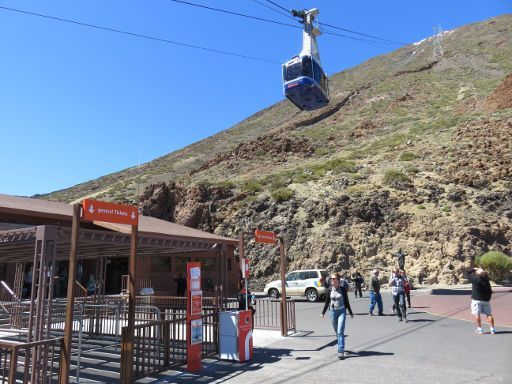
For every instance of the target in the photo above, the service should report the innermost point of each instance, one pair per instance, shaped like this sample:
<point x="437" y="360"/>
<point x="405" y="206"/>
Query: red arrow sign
<point x="110" y="212"/>
<point x="265" y="237"/>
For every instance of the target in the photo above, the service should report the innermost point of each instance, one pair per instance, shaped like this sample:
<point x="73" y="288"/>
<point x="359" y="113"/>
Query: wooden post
<point x="127" y="347"/>
<point x="68" y="325"/>
<point x="284" y="315"/>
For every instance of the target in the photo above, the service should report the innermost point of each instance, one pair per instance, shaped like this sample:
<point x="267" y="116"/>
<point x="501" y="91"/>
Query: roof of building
<point x="30" y="211"/>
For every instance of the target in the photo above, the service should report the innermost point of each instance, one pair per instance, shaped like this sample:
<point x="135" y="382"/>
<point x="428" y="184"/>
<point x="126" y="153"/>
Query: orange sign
<point x="265" y="237"/>
<point x="110" y="212"/>
<point x="197" y="302"/>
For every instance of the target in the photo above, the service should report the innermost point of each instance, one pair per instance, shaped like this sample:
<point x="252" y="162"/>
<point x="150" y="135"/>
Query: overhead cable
<point x="278" y="6"/>
<point x="361" y="34"/>
<point x="371" y="42"/>
<point x="148" y="37"/>
<point x="235" y="13"/>
<point x="287" y="14"/>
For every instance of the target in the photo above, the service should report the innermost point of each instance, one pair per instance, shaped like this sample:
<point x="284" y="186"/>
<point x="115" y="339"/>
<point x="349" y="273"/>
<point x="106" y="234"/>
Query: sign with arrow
<point x="110" y="212"/>
<point x="265" y="237"/>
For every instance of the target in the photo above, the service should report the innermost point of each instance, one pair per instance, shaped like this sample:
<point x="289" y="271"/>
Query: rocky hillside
<point x="414" y="151"/>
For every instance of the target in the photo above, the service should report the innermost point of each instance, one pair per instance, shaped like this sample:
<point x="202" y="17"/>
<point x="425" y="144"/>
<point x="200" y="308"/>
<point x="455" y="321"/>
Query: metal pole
<point x="79" y="357"/>
<point x="68" y="327"/>
<point x="241" y="251"/>
<point x="127" y="347"/>
<point x="284" y="315"/>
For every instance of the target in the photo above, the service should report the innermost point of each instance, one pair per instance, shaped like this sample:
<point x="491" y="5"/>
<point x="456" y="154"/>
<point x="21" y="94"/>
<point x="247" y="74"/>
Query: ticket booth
<point x="236" y="335"/>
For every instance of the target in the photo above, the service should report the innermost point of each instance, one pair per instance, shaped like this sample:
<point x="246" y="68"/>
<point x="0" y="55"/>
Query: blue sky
<point x="77" y="103"/>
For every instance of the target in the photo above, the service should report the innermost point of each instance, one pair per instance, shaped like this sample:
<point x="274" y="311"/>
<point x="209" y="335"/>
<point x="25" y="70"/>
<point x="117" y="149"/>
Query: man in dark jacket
<point x="375" y="297"/>
<point x="481" y="293"/>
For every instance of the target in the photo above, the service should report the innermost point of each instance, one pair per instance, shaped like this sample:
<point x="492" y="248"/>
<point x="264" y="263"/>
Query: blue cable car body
<point x="305" y="84"/>
<point x="304" y="81"/>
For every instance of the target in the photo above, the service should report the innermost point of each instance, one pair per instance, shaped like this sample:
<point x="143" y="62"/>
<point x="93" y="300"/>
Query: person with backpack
<point x="336" y="300"/>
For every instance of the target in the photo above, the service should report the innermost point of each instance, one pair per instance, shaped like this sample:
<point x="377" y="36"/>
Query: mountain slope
<point x="414" y="151"/>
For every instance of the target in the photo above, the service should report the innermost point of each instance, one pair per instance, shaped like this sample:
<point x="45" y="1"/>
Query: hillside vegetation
<point x="413" y="151"/>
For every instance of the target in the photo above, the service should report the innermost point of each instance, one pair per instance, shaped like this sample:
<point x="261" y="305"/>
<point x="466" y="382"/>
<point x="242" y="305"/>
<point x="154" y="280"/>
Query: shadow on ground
<point x="216" y="370"/>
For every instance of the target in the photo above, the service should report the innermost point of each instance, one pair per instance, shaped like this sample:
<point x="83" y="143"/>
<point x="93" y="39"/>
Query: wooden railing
<point x="35" y="362"/>
<point x="80" y="291"/>
<point x="268" y="314"/>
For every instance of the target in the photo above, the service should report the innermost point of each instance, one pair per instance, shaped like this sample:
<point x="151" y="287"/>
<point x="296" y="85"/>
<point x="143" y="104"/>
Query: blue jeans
<point x="399" y="300"/>
<point x="338" y="317"/>
<point x="376" y="298"/>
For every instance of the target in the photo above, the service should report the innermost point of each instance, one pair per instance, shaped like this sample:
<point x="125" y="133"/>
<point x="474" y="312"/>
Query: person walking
<point x="336" y="300"/>
<point x="407" y="289"/>
<point x="374" y="290"/>
<point x="358" y="282"/>
<point x="398" y="292"/>
<point x="481" y="293"/>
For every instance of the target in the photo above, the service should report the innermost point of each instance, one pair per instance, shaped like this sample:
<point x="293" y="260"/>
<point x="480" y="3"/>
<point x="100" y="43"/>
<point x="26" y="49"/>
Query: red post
<point x="194" y="319"/>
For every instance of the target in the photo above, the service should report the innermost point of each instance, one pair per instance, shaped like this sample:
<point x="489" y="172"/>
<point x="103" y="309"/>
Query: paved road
<point x="428" y="349"/>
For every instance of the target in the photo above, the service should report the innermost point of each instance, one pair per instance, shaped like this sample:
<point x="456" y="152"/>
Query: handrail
<point x="8" y="289"/>
<point x="81" y="289"/>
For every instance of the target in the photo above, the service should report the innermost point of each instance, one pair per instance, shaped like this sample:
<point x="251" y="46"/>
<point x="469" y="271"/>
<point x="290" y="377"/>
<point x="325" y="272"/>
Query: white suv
<point x="309" y="283"/>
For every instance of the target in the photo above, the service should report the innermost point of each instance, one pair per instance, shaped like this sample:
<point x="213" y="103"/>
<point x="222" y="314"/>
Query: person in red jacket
<point x="407" y="288"/>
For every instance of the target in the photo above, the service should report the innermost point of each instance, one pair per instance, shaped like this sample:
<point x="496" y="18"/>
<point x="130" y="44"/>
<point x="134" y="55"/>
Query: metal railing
<point x="268" y="314"/>
<point x="157" y="346"/>
<point x="6" y="293"/>
<point x="35" y="362"/>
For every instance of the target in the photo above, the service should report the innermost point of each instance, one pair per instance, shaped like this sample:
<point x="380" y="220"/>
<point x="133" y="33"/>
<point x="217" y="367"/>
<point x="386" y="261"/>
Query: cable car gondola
<point x="304" y="81"/>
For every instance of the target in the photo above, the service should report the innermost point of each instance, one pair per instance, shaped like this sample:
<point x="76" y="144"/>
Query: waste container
<point x="235" y="335"/>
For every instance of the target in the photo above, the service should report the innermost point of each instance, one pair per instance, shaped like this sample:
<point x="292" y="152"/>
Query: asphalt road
<point x="427" y="349"/>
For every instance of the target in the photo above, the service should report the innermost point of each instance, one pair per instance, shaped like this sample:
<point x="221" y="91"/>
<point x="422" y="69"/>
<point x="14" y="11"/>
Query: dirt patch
<point x="365" y="129"/>
<point x="279" y="148"/>
<point x="482" y="155"/>
<point x="501" y="98"/>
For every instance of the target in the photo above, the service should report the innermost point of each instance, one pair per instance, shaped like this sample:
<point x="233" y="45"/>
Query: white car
<point x="309" y="283"/>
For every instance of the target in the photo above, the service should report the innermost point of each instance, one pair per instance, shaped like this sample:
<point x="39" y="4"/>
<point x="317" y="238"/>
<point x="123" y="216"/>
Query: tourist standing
<point x="336" y="300"/>
<point x="398" y="292"/>
<point x="481" y="293"/>
<point x="374" y="290"/>
<point x="358" y="282"/>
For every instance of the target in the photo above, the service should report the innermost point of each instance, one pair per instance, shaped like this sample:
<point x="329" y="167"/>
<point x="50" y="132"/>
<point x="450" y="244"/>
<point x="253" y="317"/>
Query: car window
<point x="292" y="276"/>
<point x="304" y="275"/>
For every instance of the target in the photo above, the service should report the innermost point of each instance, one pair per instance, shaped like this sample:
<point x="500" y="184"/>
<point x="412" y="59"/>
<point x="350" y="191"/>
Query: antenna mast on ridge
<point x="438" y="51"/>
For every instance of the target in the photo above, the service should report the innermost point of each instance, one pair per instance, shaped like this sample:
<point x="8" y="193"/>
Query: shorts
<point x="480" y="307"/>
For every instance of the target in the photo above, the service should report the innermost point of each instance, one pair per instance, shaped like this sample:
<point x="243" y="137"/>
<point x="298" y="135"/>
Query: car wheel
<point x="273" y="293"/>
<point x="312" y="295"/>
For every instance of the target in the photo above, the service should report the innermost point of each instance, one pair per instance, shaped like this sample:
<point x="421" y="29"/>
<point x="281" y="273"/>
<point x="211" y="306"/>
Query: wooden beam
<point x="68" y="325"/>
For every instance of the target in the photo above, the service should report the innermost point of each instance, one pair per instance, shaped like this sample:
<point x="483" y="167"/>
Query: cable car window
<point x="307" y="69"/>
<point x="292" y="71"/>
<point x="317" y="72"/>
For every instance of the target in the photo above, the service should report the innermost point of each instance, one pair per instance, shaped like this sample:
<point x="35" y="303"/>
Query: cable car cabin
<point x="305" y="83"/>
